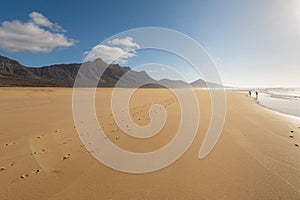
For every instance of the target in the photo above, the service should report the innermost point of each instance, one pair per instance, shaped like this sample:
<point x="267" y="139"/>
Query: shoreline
<point x="277" y="112"/>
<point x="283" y="103"/>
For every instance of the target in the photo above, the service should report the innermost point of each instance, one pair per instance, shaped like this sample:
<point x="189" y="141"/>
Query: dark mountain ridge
<point x="12" y="73"/>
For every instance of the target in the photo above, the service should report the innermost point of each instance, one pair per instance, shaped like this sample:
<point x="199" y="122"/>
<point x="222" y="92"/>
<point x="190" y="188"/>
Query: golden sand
<point x="42" y="157"/>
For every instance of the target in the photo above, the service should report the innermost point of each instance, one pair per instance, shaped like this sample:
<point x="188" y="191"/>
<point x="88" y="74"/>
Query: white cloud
<point x="118" y="51"/>
<point x="41" y="20"/>
<point x="30" y="36"/>
<point x="109" y="54"/>
<point x="127" y="41"/>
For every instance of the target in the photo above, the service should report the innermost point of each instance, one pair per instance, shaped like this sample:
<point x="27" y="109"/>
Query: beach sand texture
<point x="42" y="157"/>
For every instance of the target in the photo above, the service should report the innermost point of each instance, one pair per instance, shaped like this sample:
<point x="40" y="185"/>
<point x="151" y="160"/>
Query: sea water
<point x="284" y="100"/>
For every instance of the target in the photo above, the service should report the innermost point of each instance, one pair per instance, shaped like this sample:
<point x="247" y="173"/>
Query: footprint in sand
<point x="43" y="151"/>
<point x="2" y="169"/>
<point x="292" y="131"/>
<point x="40" y="137"/>
<point x="65" y="143"/>
<point x="291" y="136"/>
<point x="8" y="144"/>
<point x="296" y="145"/>
<point x="66" y="156"/>
<point x="27" y="175"/>
<point x="23" y="176"/>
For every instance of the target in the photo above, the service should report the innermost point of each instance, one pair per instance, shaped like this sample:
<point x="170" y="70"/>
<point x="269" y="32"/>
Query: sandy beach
<point x="42" y="157"/>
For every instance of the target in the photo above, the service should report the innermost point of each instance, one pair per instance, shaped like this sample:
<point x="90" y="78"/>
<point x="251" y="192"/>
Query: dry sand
<point x="42" y="157"/>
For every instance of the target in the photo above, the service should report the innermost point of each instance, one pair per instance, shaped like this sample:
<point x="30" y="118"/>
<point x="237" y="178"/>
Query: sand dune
<point x="42" y="157"/>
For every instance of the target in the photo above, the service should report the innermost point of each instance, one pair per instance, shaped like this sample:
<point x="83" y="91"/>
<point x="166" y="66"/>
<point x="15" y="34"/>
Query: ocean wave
<point x="286" y="101"/>
<point x="286" y="93"/>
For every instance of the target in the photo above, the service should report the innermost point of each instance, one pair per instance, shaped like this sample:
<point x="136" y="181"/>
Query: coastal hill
<point x="12" y="73"/>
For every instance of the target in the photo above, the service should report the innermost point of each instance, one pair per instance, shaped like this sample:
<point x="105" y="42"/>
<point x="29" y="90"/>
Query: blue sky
<point x="253" y="43"/>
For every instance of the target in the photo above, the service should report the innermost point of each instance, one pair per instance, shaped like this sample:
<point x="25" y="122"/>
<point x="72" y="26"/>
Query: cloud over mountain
<point x="127" y="41"/>
<point x="117" y="50"/>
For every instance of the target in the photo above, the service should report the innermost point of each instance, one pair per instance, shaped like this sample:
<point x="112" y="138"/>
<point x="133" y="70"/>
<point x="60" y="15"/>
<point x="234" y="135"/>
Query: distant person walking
<point x="250" y="93"/>
<point x="256" y="94"/>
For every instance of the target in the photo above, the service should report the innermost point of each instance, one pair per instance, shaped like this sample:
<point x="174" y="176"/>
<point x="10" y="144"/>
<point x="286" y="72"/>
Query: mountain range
<point x="12" y="73"/>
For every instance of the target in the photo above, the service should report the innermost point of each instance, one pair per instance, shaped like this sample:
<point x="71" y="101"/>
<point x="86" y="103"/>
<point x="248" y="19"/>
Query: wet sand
<point x="42" y="157"/>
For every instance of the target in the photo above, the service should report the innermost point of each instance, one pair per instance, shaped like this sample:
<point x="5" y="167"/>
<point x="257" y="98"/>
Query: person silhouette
<point x="249" y="93"/>
<point x="256" y="94"/>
